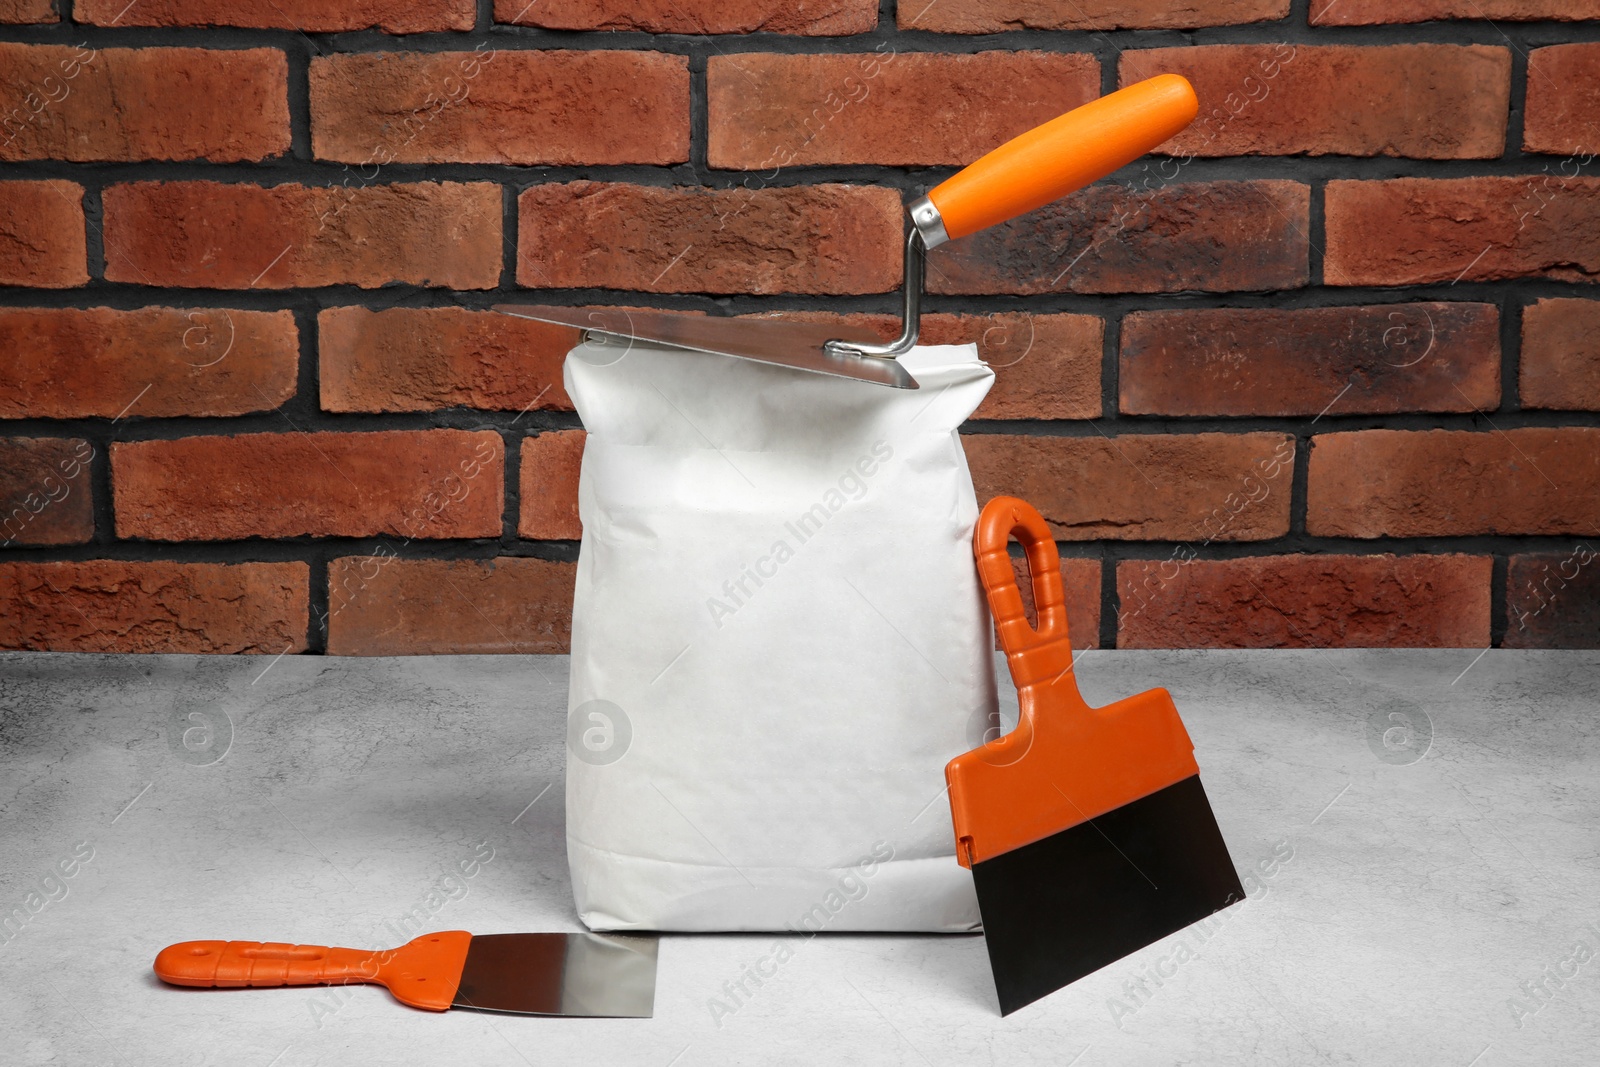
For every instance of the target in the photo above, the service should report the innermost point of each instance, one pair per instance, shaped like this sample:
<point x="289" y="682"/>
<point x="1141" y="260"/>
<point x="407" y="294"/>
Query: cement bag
<point x="778" y="640"/>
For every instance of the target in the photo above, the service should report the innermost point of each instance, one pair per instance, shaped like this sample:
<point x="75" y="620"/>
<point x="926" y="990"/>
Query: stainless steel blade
<point x="776" y="341"/>
<point x="583" y="975"/>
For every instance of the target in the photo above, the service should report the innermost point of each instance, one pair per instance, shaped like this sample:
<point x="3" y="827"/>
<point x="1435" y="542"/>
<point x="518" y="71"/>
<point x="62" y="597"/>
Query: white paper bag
<point x="778" y="641"/>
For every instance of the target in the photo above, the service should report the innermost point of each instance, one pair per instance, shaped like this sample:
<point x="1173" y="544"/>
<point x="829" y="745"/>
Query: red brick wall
<point x="1326" y="373"/>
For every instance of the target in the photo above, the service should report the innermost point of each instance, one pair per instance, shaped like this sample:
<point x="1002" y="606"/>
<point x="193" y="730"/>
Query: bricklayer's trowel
<point x="584" y="974"/>
<point x="1027" y="172"/>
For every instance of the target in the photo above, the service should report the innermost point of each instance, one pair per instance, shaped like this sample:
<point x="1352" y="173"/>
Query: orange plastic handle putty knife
<point x="1087" y="831"/>
<point x="582" y="974"/>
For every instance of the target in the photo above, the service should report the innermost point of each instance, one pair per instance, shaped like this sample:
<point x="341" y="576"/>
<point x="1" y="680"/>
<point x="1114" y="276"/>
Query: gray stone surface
<point x="1428" y="881"/>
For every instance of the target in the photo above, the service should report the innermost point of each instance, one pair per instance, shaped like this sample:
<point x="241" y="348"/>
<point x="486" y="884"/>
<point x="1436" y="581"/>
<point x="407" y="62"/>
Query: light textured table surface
<point x="1443" y="830"/>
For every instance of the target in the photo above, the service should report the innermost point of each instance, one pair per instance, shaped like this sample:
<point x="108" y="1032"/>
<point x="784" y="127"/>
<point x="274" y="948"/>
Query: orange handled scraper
<point x="1028" y="171"/>
<point x="589" y="975"/>
<point x="1086" y="829"/>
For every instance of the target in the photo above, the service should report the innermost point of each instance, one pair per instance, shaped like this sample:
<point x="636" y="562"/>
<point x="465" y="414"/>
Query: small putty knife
<point x="590" y="975"/>
<point x="1086" y="829"/>
<point x="1027" y="172"/>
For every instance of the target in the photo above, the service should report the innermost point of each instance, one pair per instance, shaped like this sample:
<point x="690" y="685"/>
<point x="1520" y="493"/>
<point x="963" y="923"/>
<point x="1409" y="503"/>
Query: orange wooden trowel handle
<point x="1064" y="154"/>
<point x="423" y="973"/>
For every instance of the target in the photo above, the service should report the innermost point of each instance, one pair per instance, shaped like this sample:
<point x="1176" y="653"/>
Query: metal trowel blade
<point x="775" y="341"/>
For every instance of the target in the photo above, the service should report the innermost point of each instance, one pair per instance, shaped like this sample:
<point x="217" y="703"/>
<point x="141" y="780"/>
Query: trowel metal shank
<point x="838" y="350"/>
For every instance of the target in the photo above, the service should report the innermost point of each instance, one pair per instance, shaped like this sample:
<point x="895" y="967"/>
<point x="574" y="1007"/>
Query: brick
<point x="1424" y="101"/>
<point x="42" y="234"/>
<point x="126" y="104"/>
<point x="1381" y="359"/>
<point x="427" y="359"/>
<point x="523" y="107"/>
<point x="998" y="16"/>
<point x="45" y="491"/>
<point x="1560" y="365"/>
<point x="1553" y="599"/>
<point x="234" y="236"/>
<point x="770" y="111"/>
<point x="13" y="12"/>
<point x="1439" y="483"/>
<point x="821" y="18"/>
<point x="1046" y="366"/>
<point x="1563" y="101"/>
<point x="828" y="239"/>
<point x="308" y="16"/>
<point x="385" y="606"/>
<point x="410" y="484"/>
<point x="1143" y="487"/>
<point x="549" y="485"/>
<point x="1080" y="580"/>
<point x="1410" y="231"/>
<point x="157" y="606"/>
<point x="1373" y="12"/>
<point x="1305" y="602"/>
<point x="1214" y="236"/>
<point x="78" y="363"/>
